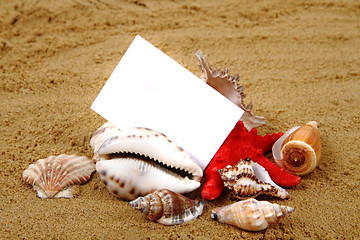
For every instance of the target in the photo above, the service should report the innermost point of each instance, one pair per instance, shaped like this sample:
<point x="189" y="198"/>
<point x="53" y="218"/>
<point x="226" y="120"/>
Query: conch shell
<point x="298" y="151"/>
<point x="167" y="207"/>
<point x="228" y="86"/>
<point x="247" y="179"/>
<point x="51" y="176"/>
<point x="250" y="214"/>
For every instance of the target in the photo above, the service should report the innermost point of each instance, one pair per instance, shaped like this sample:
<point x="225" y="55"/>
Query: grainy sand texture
<point x="298" y="61"/>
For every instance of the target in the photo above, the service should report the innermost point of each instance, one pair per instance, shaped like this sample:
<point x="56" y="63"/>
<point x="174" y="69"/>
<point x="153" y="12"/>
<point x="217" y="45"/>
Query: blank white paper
<point x="149" y="89"/>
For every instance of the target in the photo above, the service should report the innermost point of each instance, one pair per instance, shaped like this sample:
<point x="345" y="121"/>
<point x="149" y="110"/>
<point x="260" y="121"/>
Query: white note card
<point x="149" y="89"/>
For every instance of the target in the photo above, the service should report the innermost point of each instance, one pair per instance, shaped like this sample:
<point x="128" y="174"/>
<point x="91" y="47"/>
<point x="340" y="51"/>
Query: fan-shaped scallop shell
<point x="138" y="161"/>
<point x="250" y="214"/>
<point x="168" y="207"/>
<point x="50" y="176"/>
<point x="248" y="179"/>
<point x="298" y="151"/>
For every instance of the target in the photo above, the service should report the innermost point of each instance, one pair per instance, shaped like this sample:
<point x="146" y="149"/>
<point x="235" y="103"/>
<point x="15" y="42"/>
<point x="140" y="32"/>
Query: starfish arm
<point x="213" y="186"/>
<point x="266" y="142"/>
<point x="278" y="175"/>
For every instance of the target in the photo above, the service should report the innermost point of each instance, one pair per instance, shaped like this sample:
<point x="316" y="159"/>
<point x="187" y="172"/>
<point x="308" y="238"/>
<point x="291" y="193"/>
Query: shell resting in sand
<point x="298" y="151"/>
<point x="137" y="161"/>
<point x="168" y="208"/>
<point x="250" y="214"/>
<point x="50" y="176"/>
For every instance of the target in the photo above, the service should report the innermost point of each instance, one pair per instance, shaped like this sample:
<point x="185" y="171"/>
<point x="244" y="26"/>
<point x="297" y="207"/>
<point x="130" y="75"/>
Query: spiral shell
<point x="298" y="151"/>
<point x="248" y="179"/>
<point x="50" y="176"/>
<point x="167" y="207"/>
<point x="250" y="214"/>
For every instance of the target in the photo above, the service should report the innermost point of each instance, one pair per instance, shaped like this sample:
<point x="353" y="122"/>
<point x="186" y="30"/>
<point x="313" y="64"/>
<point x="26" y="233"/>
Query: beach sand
<point x="298" y="61"/>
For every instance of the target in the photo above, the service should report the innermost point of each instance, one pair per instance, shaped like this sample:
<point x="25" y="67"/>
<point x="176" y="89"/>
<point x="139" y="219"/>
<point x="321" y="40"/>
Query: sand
<point x="298" y="61"/>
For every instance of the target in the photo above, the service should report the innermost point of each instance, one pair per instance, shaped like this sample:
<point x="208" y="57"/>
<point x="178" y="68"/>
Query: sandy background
<point x="298" y="60"/>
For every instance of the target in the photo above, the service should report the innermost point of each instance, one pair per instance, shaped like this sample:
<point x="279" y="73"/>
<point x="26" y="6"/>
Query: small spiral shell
<point x="250" y="214"/>
<point x="247" y="179"/>
<point x="167" y="207"/>
<point x="299" y="150"/>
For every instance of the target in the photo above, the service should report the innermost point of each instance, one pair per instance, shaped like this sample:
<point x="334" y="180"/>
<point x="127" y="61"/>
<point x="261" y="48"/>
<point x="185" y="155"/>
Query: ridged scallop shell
<point x="250" y="214"/>
<point x="138" y="161"/>
<point x="248" y="179"/>
<point x="168" y="207"/>
<point x="50" y="176"/>
<point x="100" y="136"/>
<point x="298" y="151"/>
<point x="228" y="86"/>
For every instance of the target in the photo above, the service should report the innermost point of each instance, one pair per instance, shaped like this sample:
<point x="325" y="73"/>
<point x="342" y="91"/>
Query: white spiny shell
<point x="298" y="151"/>
<point x="51" y="175"/>
<point x="138" y="161"/>
<point x="100" y="136"/>
<point x="228" y="86"/>
<point x="248" y="179"/>
<point x="168" y="207"/>
<point x="250" y="214"/>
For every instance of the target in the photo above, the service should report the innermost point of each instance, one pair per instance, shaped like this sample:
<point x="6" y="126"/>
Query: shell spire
<point x="250" y="214"/>
<point x="298" y="151"/>
<point x="228" y="86"/>
<point x="168" y="207"/>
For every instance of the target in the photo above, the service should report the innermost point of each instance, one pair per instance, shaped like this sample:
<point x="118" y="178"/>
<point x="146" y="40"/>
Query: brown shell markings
<point x="299" y="150"/>
<point x="247" y="179"/>
<point x="106" y="131"/>
<point x="228" y="86"/>
<point x="250" y="214"/>
<point x="168" y="207"/>
<point x="50" y="176"/>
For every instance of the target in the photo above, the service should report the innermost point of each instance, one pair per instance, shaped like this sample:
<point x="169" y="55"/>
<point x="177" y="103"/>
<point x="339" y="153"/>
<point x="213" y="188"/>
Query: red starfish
<point x="238" y="145"/>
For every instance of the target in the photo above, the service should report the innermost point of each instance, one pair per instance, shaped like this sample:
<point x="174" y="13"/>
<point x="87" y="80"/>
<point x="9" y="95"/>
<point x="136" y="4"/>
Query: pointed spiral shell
<point x="300" y="149"/>
<point x="167" y="207"/>
<point x="250" y="214"/>
<point x="248" y="179"/>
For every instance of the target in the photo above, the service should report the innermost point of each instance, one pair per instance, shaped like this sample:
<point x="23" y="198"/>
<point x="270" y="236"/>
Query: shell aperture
<point x="138" y="161"/>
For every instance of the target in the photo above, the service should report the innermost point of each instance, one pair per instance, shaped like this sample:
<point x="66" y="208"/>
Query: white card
<point x="149" y="89"/>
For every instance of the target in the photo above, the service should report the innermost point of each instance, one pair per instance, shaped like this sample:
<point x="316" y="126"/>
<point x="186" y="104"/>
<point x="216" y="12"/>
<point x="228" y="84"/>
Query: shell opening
<point x="214" y="216"/>
<point x="151" y="161"/>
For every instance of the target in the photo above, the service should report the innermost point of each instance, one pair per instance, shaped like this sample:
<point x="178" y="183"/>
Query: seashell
<point x="298" y="151"/>
<point x="138" y="161"/>
<point x="50" y="176"/>
<point x="228" y="86"/>
<point x="248" y="179"/>
<point x="100" y="136"/>
<point x="251" y="214"/>
<point x="168" y="207"/>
